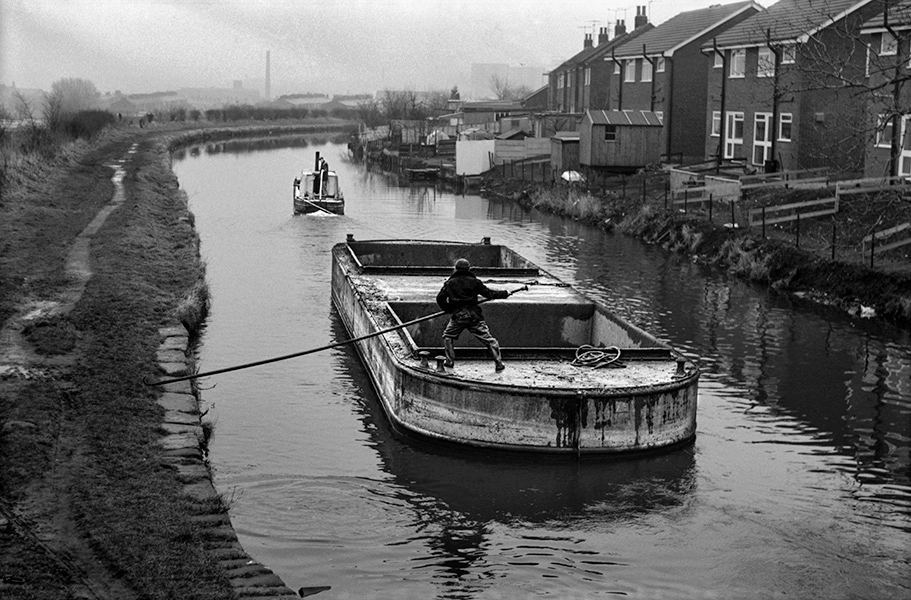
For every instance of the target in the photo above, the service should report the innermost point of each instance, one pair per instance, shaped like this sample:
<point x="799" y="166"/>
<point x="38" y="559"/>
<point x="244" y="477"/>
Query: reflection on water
<point x="797" y="483"/>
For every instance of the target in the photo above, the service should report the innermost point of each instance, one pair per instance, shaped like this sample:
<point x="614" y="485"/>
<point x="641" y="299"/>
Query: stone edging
<point x="183" y="451"/>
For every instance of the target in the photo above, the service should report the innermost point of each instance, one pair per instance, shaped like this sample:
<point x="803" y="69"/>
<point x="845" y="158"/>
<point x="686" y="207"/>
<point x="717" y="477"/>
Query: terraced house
<point x="664" y="71"/>
<point x="583" y="81"/>
<point x="887" y="38"/>
<point x="786" y="87"/>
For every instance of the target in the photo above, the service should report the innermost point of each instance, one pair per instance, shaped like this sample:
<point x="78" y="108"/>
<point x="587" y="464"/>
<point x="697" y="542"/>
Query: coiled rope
<point x="596" y="358"/>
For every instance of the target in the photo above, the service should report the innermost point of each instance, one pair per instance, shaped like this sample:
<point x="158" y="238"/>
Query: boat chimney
<point x="485" y="240"/>
<point x="349" y="238"/>
<point x="316" y="166"/>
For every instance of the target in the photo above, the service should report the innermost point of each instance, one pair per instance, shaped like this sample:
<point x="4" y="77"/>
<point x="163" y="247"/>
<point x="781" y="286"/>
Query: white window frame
<point x="765" y="144"/>
<point x="660" y="115"/>
<point x="732" y="118"/>
<point x="616" y="68"/>
<point x="560" y="81"/>
<point x="718" y="61"/>
<point x="789" y="54"/>
<point x="716" y="123"/>
<point x="782" y="119"/>
<point x="659" y="67"/>
<point x="646" y="74"/>
<point x="885" y="47"/>
<point x="588" y="75"/>
<point x="885" y="124"/>
<point x="765" y="64"/>
<point x="610" y="133"/>
<point x="738" y="65"/>
<point x="629" y="71"/>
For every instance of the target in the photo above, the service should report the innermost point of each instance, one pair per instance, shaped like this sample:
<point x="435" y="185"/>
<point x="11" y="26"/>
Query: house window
<point x="719" y="60"/>
<point x="659" y="65"/>
<point x="733" y="134"/>
<point x="588" y="76"/>
<point x="646" y="70"/>
<point x="630" y="71"/>
<point x="738" y="63"/>
<point x="610" y="133"/>
<point x="560" y="81"/>
<point x="888" y="45"/>
<point x="766" y="65"/>
<point x="716" y="123"/>
<point x="789" y="55"/>
<point x="884" y="132"/>
<point x="785" y="121"/>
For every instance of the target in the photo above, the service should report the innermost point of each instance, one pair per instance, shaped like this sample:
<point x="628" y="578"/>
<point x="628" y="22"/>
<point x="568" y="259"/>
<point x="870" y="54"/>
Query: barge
<point x="641" y="397"/>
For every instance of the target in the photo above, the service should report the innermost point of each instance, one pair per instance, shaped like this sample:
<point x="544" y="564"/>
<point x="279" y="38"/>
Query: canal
<point x="798" y="483"/>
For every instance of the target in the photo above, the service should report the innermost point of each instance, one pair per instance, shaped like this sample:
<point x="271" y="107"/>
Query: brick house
<point x="782" y="87"/>
<point x="887" y="37"/>
<point x="581" y="82"/>
<point x="664" y="71"/>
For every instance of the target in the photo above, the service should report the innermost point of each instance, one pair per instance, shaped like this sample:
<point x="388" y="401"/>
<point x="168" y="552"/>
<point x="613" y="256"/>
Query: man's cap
<point x="462" y="265"/>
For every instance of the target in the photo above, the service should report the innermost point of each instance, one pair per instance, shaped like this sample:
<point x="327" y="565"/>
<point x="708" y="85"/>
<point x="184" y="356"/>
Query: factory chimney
<point x="268" y="79"/>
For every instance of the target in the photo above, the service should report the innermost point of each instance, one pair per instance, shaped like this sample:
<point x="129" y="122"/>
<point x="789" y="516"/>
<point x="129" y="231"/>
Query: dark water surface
<point x="798" y="484"/>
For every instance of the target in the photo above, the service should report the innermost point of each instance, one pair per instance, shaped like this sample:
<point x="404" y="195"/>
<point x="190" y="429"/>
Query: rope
<point x="596" y="358"/>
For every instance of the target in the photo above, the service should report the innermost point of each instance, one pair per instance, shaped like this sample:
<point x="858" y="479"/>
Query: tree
<point x="75" y="94"/>
<point x="504" y="90"/>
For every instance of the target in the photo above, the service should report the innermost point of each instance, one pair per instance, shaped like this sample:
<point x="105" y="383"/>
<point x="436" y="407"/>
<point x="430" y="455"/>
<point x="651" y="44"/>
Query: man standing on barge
<point x="459" y="296"/>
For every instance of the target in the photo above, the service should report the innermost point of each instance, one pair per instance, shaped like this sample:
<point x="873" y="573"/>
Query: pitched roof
<point x="788" y="21"/>
<point x="618" y="41"/>
<point x="683" y="29"/>
<point x="640" y="118"/>
<point x="899" y="17"/>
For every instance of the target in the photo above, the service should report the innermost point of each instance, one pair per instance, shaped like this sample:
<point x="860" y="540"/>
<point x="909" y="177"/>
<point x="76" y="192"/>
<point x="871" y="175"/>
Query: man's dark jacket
<point x="462" y="290"/>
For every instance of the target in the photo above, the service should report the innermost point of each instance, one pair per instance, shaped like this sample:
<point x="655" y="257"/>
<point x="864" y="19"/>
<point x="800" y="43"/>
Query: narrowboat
<point x="318" y="191"/>
<point x="578" y="379"/>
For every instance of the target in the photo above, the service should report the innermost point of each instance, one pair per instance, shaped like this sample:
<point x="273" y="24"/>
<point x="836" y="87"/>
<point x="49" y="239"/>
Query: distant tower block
<point x="268" y="79"/>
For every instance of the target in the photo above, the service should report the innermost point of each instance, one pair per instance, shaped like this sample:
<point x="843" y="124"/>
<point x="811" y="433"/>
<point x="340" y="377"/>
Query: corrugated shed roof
<point x="788" y="21"/>
<point x="682" y="29"/>
<point x="633" y="118"/>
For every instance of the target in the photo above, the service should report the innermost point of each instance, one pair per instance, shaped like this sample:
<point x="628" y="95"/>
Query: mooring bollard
<point x="441" y="360"/>
<point x="681" y="368"/>
<point x="423" y="354"/>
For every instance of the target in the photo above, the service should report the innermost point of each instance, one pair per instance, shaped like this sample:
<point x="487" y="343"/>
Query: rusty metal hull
<point x="541" y="402"/>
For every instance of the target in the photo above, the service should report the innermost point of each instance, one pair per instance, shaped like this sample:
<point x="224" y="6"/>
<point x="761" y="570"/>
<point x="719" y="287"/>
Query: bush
<point x="86" y="124"/>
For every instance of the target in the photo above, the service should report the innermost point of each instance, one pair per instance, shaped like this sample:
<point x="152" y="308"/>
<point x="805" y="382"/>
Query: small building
<point x="620" y="139"/>
<point x="564" y="151"/>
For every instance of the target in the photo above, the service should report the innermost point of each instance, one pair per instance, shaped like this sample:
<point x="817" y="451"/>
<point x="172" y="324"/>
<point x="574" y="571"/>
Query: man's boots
<point x="495" y="352"/>
<point x="449" y="350"/>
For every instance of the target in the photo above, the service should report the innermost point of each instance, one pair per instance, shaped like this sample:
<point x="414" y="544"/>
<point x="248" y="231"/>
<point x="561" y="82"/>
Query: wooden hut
<point x="620" y="139"/>
<point x="564" y="151"/>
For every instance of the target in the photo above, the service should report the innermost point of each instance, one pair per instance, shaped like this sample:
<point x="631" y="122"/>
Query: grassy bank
<point x="88" y="505"/>
<point x="775" y="261"/>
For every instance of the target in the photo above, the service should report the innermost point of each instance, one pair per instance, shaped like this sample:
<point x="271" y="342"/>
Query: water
<point x="798" y="483"/>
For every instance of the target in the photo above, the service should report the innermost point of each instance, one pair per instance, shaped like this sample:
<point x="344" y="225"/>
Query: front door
<point x="733" y="134"/>
<point x="762" y="138"/>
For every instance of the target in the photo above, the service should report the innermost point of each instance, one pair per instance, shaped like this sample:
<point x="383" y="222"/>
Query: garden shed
<point x="620" y="139"/>
<point x="564" y="151"/>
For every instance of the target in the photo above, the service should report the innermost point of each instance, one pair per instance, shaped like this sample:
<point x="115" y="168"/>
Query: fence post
<point x="711" y="202"/>
<point x="797" y="240"/>
<point x="833" y="240"/>
<point x="872" y="246"/>
<point x="686" y="200"/>
<point x="763" y="222"/>
<point x="667" y="187"/>
<point x="732" y="215"/>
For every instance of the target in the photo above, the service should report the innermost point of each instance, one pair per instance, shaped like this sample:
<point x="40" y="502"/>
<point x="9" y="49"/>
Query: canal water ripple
<point x="798" y="483"/>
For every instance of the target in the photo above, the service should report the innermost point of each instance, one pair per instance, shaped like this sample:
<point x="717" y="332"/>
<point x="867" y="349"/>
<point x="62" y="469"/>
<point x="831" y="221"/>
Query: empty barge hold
<point x="545" y="400"/>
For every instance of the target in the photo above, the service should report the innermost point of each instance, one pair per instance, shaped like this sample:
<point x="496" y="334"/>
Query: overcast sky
<point x="335" y="46"/>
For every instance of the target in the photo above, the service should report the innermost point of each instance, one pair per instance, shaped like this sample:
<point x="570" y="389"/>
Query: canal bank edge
<point x="782" y="267"/>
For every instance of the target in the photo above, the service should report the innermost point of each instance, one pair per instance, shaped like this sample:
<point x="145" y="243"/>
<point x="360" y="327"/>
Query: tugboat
<point x="318" y="191"/>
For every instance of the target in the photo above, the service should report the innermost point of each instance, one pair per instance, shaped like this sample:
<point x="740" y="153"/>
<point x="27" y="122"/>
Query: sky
<point x="332" y="47"/>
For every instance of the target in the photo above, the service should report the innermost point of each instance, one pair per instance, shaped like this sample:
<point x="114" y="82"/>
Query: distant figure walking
<point x="459" y="296"/>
